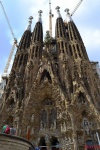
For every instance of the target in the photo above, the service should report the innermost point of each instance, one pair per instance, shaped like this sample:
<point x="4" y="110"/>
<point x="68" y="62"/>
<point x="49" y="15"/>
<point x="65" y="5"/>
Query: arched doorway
<point x="90" y="145"/>
<point x="42" y="144"/>
<point x="54" y="143"/>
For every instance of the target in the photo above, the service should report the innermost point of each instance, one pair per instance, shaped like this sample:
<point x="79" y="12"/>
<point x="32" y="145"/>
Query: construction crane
<point x="14" y="44"/>
<point x="50" y="18"/>
<point x="4" y="76"/>
<point x="71" y="14"/>
<point x="76" y="7"/>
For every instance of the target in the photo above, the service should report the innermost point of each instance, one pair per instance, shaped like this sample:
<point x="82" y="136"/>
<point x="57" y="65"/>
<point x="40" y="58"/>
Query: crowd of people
<point x="8" y="130"/>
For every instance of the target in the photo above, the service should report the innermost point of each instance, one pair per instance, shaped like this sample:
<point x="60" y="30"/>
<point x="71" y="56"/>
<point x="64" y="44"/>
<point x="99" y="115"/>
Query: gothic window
<point x="48" y="115"/>
<point x="84" y="51"/>
<point x="43" y="119"/>
<point x="78" y="50"/>
<point x="70" y="29"/>
<point x="16" y="60"/>
<point x="40" y="51"/>
<point x="78" y="34"/>
<point x="38" y="36"/>
<point x="62" y="44"/>
<point x="75" y="51"/>
<point x="81" y="98"/>
<point x="36" y="52"/>
<point x="32" y="53"/>
<point x="52" y="118"/>
<point x="60" y="29"/>
<point x="74" y="32"/>
<point x="21" y="58"/>
<point x="70" y="49"/>
<point x="46" y="74"/>
<point x="25" y="58"/>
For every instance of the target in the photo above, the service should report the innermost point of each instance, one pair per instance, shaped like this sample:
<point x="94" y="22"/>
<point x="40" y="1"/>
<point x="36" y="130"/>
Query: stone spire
<point x="77" y="49"/>
<point x="37" y="38"/>
<point x="26" y="37"/>
<point x="30" y="22"/>
<point x="60" y="28"/>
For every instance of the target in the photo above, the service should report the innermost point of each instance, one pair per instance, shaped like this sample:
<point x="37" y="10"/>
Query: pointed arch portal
<point x="54" y="144"/>
<point x="42" y="144"/>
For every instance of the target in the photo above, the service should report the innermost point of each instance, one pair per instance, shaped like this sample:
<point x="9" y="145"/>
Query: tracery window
<point x="43" y="119"/>
<point x="48" y="115"/>
<point x="52" y="118"/>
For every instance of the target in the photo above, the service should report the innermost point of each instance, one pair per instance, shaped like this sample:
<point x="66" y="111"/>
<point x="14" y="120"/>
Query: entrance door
<point x="54" y="143"/>
<point x="90" y="145"/>
<point x="42" y="144"/>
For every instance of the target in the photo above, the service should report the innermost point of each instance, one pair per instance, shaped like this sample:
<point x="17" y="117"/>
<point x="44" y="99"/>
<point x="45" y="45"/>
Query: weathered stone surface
<point x="8" y="142"/>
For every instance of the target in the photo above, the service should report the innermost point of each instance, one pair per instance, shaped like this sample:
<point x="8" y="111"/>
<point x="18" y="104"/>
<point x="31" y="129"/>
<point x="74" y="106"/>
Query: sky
<point x="86" y="18"/>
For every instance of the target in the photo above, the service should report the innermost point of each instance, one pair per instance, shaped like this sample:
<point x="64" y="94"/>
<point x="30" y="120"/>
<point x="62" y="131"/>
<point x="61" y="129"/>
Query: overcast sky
<point x="86" y="18"/>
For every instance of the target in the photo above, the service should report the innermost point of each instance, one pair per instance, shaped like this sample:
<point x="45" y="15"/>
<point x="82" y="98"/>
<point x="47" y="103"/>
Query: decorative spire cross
<point x="40" y="14"/>
<point x="68" y="15"/>
<point x="58" y="11"/>
<point x="67" y="11"/>
<point x="30" y="22"/>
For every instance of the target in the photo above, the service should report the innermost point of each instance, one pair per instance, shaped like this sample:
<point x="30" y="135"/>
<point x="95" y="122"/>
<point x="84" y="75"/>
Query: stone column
<point x="48" y="146"/>
<point x="47" y="140"/>
<point x="74" y="132"/>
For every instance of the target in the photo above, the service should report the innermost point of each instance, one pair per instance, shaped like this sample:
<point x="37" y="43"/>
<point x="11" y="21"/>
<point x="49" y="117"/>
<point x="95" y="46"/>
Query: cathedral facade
<point x="52" y="96"/>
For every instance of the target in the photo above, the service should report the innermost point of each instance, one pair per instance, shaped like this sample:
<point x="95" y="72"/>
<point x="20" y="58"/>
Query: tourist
<point x="6" y="129"/>
<point x="12" y="131"/>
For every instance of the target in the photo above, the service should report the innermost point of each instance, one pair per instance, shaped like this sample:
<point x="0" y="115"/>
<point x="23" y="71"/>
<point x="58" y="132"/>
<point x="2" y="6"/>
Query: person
<point x="12" y="131"/>
<point x="37" y="148"/>
<point x="6" y="129"/>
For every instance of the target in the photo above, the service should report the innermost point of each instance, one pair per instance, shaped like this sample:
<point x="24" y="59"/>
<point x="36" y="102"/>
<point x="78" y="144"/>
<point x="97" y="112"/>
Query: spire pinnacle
<point x="40" y="14"/>
<point x="30" y="22"/>
<point x="58" y="11"/>
<point x="68" y="19"/>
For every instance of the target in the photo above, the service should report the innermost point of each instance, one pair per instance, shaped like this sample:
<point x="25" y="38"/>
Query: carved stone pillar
<point x="48" y="146"/>
<point x="74" y="132"/>
<point x="47" y="140"/>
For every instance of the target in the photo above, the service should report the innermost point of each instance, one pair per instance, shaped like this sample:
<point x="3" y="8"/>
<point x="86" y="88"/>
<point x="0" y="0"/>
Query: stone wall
<point x="8" y="142"/>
